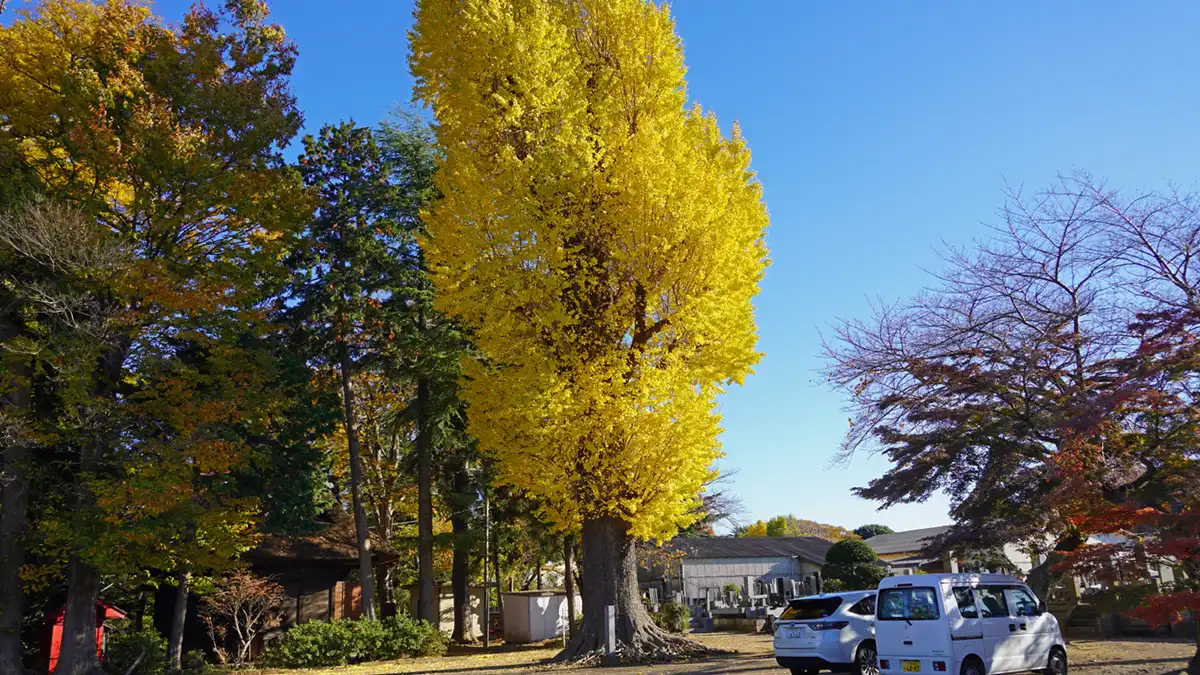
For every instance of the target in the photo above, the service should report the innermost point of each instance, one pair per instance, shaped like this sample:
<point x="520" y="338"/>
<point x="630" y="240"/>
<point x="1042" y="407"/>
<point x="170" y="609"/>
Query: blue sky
<point x="879" y="129"/>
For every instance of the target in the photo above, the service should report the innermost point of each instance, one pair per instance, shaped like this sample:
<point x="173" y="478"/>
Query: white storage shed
<point x="533" y="616"/>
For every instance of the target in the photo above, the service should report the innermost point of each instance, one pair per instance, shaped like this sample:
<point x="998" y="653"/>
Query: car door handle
<point x="1023" y="627"/>
<point x="1012" y="627"/>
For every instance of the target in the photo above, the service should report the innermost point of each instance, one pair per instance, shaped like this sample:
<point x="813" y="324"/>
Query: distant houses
<point x="769" y="570"/>
<point x="905" y="553"/>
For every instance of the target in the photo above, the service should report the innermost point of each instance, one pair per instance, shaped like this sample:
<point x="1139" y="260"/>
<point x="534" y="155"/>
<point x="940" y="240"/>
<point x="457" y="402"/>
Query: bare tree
<point x="245" y="604"/>
<point x="968" y="387"/>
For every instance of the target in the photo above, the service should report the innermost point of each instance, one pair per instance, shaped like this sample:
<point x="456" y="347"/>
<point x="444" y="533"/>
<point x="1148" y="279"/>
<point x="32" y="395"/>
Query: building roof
<point x="909" y="541"/>
<point x="808" y="548"/>
<point x="334" y="542"/>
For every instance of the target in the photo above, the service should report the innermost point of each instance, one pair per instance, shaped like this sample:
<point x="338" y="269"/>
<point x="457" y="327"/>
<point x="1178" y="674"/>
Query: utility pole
<point x="487" y="592"/>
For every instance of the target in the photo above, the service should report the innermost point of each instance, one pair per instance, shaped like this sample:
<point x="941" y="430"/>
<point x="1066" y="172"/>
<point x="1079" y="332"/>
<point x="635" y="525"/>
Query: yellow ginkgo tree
<point x="603" y="240"/>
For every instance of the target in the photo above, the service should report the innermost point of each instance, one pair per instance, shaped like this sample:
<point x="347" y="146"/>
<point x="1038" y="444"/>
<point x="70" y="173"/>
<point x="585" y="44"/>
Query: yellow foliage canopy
<point x="604" y="242"/>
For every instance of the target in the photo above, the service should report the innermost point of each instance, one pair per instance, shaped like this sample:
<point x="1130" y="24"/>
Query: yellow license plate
<point x="911" y="666"/>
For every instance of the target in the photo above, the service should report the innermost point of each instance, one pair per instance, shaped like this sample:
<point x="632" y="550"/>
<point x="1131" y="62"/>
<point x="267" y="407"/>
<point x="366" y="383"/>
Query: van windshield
<point x="801" y="609"/>
<point x="907" y="604"/>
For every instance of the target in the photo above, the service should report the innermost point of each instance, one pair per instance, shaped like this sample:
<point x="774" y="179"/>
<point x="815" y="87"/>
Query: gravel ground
<point x="754" y="656"/>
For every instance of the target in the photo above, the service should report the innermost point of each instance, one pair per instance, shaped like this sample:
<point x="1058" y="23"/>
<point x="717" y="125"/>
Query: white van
<point x="965" y="624"/>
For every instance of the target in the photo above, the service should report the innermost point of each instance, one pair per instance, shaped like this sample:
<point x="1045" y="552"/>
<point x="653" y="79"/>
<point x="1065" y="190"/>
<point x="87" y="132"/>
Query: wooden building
<point x="317" y="571"/>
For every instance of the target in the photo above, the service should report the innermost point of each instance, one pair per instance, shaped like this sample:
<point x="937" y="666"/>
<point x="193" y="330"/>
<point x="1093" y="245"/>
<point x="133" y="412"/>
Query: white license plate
<point x="794" y="634"/>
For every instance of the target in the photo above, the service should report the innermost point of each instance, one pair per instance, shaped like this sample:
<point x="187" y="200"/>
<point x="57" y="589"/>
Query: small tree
<point x="245" y="603"/>
<point x="868" y="531"/>
<point x="854" y="563"/>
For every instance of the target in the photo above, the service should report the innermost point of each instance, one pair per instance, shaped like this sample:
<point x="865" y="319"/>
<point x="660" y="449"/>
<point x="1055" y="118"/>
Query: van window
<point x="992" y="602"/>
<point x="908" y="604"/>
<point x="966" y="602"/>
<point x="1023" y="602"/>
<point x="810" y="608"/>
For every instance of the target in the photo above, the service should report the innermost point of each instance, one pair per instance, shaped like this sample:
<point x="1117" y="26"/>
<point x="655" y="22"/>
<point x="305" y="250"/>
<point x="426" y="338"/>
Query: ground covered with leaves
<point x="754" y="655"/>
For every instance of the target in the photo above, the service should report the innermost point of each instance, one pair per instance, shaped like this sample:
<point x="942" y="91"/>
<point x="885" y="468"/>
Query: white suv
<point x="835" y="631"/>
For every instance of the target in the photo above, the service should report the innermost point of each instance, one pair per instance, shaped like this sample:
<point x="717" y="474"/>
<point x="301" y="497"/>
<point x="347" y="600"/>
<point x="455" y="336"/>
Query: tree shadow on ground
<point x="723" y="663"/>
<point x="1122" y="662"/>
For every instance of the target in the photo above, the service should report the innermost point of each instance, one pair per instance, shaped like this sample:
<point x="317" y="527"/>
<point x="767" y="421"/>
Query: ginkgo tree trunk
<point x="604" y="241"/>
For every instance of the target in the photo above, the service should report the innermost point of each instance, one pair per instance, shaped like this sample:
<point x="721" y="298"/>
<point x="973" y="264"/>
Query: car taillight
<point x="829" y="625"/>
<point x="939" y="666"/>
<point x="885" y="664"/>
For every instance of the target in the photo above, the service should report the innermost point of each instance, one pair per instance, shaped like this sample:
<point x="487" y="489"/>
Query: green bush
<point x="122" y="649"/>
<point x="673" y="617"/>
<point x="854" y="563"/>
<point x="410" y="637"/>
<point x="833" y="586"/>
<point x="320" y="644"/>
<point x="315" y="644"/>
<point x="194" y="663"/>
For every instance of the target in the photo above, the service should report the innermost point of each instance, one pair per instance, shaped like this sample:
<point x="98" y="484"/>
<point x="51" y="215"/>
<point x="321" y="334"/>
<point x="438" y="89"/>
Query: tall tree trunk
<point x="537" y="571"/>
<point x="427" y="601"/>
<point x="569" y="579"/>
<point x="1042" y="578"/>
<point x="386" y="590"/>
<point x="139" y="612"/>
<point x="361" y="528"/>
<point x="460" y="573"/>
<point x="183" y="583"/>
<point x="78" y="655"/>
<point x="14" y="504"/>
<point x="499" y="588"/>
<point x="611" y="561"/>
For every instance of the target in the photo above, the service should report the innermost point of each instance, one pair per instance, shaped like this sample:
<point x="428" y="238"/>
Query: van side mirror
<point x="1041" y="607"/>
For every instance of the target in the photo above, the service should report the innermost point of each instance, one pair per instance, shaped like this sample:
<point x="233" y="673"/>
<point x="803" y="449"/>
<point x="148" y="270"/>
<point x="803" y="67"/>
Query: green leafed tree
<point x="854" y="564"/>
<point x="188" y="184"/>
<point x="868" y="531"/>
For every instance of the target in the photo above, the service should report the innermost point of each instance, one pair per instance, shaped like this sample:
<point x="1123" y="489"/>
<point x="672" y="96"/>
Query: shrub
<point x="123" y="649"/>
<point x="194" y="663"/>
<point x="854" y="563"/>
<point x="410" y="637"/>
<point x="320" y="644"/>
<point x="315" y="644"/>
<point x="833" y="586"/>
<point x="673" y="617"/>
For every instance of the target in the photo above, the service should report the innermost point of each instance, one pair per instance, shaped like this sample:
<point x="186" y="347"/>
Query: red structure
<point x="54" y="626"/>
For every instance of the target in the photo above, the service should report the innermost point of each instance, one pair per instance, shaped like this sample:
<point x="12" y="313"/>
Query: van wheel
<point x="972" y="666"/>
<point x="866" y="662"/>
<point x="1057" y="665"/>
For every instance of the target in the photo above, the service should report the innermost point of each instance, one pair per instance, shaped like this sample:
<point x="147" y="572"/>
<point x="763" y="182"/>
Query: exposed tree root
<point x="649" y="645"/>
